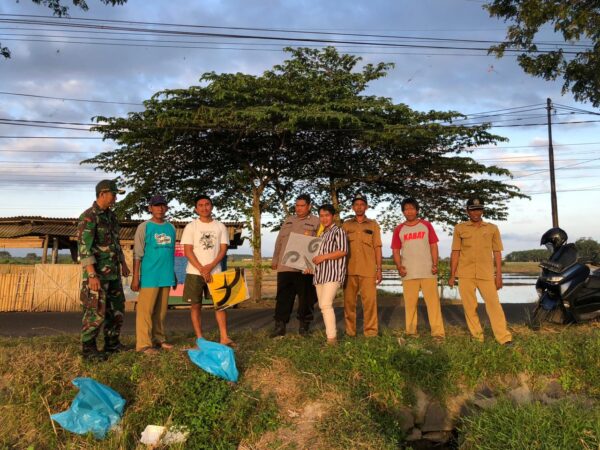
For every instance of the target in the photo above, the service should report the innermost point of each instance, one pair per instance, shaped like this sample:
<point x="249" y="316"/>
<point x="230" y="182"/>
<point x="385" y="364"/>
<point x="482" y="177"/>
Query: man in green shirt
<point x="103" y="262"/>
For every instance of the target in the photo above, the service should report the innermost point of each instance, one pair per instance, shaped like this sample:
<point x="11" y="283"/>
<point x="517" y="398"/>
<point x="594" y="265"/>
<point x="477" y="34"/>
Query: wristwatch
<point x="92" y="275"/>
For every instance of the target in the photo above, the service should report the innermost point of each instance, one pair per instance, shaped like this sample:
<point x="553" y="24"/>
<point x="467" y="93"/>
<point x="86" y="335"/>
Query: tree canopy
<point x="577" y="61"/>
<point x="60" y="10"/>
<point x="587" y="247"/>
<point x="254" y="142"/>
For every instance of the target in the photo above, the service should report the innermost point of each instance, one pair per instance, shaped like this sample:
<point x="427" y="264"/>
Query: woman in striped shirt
<point x="330" y="268"/>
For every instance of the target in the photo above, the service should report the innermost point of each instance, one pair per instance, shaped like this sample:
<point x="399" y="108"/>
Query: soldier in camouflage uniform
<point x="103" y="264"/>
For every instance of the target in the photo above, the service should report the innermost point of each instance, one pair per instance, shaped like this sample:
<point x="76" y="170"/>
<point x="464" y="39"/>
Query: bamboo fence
<point x="57" y="287"/>
<point x="42" y="287"/>
<point x="16" y="290"/>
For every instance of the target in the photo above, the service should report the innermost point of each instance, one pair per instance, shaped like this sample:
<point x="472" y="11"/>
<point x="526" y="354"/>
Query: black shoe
<point x="304" y="329"/>
<point x="508" y="344"/>
<point x="278" y="330"/>
<point x="90" y="352"/>
<point x="114" y="346"/>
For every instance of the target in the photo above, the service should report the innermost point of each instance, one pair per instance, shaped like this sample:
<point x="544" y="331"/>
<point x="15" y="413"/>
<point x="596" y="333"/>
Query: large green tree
<point x="60" y="10"/>
<point x="577" y="61"/>
<point x="254" y="142"/>
<point x="588" y="248"/>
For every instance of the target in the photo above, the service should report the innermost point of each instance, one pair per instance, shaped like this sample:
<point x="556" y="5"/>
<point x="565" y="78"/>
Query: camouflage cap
<point x="108" y="186"/>
<point x="474" y="203"/>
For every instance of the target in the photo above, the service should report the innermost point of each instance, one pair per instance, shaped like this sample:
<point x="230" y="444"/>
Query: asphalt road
<point x="178" y="321"/>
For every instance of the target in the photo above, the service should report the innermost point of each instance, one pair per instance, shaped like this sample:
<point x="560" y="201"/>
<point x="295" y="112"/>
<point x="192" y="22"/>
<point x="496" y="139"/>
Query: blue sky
<point x="42" y="176"/>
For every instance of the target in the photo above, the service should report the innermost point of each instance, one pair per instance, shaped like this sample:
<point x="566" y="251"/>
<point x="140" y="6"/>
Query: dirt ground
<point x="300" y="414"/>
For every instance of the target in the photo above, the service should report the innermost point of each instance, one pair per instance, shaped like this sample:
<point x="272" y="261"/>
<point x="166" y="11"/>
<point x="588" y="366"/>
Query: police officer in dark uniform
<point x="103" y="262"/>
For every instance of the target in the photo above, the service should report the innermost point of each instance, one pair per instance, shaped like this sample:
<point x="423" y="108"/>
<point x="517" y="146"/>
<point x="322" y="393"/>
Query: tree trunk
<point x="256" y="243"/>
<point x="335" y="200"/>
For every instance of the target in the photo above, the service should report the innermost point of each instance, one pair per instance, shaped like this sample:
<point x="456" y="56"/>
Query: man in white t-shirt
<point x="205" y="243"/>
<point x="415" y="251"/>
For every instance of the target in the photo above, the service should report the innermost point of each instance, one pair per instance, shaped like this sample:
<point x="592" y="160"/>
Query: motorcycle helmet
<point x="554" y="238"/>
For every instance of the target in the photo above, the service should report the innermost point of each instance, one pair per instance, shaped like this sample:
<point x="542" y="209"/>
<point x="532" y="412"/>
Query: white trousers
<point x="326" y="294"/>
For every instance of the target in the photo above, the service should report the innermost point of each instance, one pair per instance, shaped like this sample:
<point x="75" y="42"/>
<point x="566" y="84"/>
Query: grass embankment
<point x="297" y="393"/>
<point x="523" y="268"/>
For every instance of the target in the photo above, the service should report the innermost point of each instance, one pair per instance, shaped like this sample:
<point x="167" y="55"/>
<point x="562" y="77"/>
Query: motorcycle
<point x="568" y="290"/>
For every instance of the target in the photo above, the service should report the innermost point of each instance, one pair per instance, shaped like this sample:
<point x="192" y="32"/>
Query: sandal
<point x="149" y="351"/>
<point x="230" y="344"/>
<point x="165" y="346"/>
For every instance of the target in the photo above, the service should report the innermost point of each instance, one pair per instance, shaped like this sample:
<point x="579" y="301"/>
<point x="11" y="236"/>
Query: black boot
<point x="278" y="330"/>
<point x="113" y="345"/>
<point x="90" y="352"/>
<point x="304" y="329"/>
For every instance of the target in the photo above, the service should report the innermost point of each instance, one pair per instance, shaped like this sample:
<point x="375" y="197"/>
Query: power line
<point x="69" y="99"/>
<point x="547" y="170"/>
<point x="61" y="22"/>
<point x="50" y="137"/>
<point x="265" y="37"/>
<point x="543" y="124"/>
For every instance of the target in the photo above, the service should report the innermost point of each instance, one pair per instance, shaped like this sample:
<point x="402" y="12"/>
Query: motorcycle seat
<point x="593" y="282"/>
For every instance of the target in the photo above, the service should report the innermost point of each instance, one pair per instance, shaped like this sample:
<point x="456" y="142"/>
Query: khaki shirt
<point x="476" y="245"/>
<point x="365" y="240"/>
<point x="307" y="226"/>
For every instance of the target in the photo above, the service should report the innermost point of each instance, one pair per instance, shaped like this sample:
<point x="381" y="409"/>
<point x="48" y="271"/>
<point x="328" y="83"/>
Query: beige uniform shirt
<point x="364" y="241"/>
<point x="476" y="245"/>
<point x="307" y="226"/>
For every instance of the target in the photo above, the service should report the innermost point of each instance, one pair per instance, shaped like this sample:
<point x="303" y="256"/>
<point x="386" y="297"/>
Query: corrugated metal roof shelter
<point x="61" y="233"/>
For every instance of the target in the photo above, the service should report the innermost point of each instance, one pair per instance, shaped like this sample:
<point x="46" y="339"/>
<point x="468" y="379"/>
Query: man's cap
<point x="359" y="196"/>
<point x="108" y="186"/>
<point x="474" y="203"/>
<point x="158" y="200"/>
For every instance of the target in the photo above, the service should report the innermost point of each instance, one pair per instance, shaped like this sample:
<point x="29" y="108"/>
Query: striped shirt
<point x="332" y="270"/>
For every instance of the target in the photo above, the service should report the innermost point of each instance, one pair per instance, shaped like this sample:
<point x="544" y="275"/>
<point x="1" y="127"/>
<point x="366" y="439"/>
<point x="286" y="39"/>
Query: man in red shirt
<point x="415" y="251"/>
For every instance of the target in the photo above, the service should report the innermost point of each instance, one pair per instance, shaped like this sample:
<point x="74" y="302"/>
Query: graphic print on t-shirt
<point x="208" y="240"/>
<point x="162" y="239"/>
<point x="415" y="235"/>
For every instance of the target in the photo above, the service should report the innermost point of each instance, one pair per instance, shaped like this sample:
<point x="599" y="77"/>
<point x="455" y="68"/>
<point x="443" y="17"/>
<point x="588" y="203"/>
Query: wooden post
<point x="74" y="249"/>
<point x="45" y="251"/>
<point x="54" y="250"/>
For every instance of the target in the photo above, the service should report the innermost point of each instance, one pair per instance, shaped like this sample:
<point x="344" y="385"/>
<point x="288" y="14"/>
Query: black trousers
<point x="290" y="285"/>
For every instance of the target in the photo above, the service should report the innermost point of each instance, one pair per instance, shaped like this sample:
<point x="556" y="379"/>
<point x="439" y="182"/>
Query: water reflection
<point x="517" y="288"/>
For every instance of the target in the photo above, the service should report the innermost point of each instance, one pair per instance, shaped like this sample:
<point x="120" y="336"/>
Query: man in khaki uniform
<point x="473" y="244"/>
<point x="364" y="268"/>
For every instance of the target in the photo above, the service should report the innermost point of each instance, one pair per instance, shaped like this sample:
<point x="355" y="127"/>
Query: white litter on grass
<point x="158" y="435"/>
<point x="152" y="434"/>
<point x="175" y="435"/>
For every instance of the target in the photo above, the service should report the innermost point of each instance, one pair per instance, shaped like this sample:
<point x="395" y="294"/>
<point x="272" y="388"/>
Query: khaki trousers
<point x="151" y="311"/>
<point x="429" y="288"/>
<point x="487" y="289"/>
<point x="367" y="286"/>
<point x="326" y="294"/>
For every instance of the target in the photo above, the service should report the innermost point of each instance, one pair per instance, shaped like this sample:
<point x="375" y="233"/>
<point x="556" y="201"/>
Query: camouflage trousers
<point x="104" y="307"/>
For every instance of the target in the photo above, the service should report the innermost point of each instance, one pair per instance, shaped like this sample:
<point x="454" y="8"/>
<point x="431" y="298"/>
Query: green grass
<point x="370" y="378"/>
<point x="564" y="425"/>
<point x="160" y="390"/>
<point x="384" y="367"/>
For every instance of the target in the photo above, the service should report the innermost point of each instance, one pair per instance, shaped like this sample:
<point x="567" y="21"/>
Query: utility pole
<point x="553" y="200"/>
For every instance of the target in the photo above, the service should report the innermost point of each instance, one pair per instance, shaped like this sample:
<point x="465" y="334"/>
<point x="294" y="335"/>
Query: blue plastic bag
<point x="96" y="408"/>
<point x="217" y="359"/>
